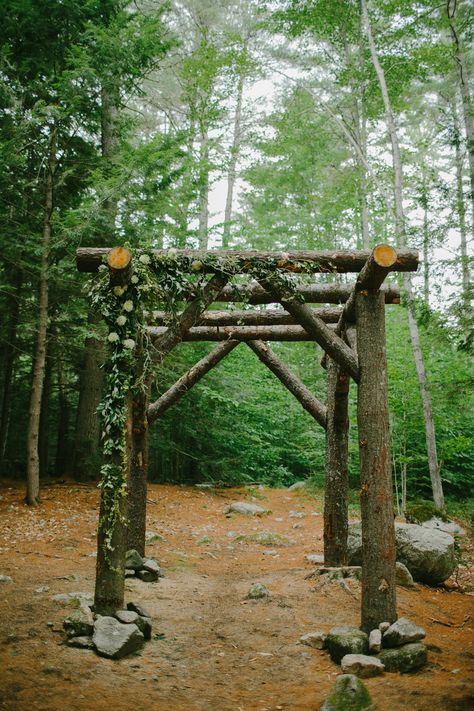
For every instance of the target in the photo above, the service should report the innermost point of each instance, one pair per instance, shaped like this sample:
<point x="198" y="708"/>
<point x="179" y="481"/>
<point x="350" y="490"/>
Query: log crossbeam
<point x="262" y="317"/>
<point x="240" y="333"/>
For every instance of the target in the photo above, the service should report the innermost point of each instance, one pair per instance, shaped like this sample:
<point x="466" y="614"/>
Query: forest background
<point x="297" y="124"/>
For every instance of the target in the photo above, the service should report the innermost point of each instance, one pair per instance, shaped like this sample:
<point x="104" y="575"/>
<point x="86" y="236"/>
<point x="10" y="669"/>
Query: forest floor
<point x="212" y="648"/>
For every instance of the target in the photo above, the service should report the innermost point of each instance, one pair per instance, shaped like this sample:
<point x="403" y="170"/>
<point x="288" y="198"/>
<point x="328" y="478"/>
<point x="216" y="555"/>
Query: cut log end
<point x="119" y="258"/>
<point x="384" y="255"/>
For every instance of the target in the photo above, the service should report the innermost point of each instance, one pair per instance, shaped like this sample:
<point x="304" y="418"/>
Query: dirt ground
<point x="212" y="648"/>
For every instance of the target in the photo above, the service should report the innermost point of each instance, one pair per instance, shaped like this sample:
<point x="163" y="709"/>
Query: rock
<point x="114" y="640"/>
<point x="403" y="576"/>
<point x="127" y="617"/>
<point x="80" y="642"/>
<point x="315" y="558"/>
<point x="348" y="694"/>
<point x="147" y="576"/>
<point x="242" y="507"/>
<point x="402" y="632"/>
<point x="383" y="626"/>
<point x="152" y="537"/>
<point x="76" y="599"/>
<point x="375" y="641"/>
<point x="404" y="659"/>
<point x="153" y="566"/>
<point x="129" y="573"/>
<point x="450" y="527"/>
<point x="346" y="640"/>
<point x="133" y="560"/>
<point x="42" y="589"/>
<point x="136" y="607"/>
<point x="315" y="639"/>
<point x="297" y="486"/>
<point x="258" y="591"/>
<point x="79" y="623"/>
<point x="5" y="579"/>
<point x="427" y="553"/>
<point x="296" y="514"/>
<point x="362" y="665"/>
<point x="270" y="552"/>
<point x="265" y="538"/>
<point x="145" y="626"/>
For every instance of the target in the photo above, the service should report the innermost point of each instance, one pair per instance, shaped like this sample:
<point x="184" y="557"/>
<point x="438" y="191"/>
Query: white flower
<point x="103" y="268"/>
<point x="113" y="337"/>
<point x="196" y="266"/>
<point x="128" y="305"/>
<point x="119" y="290"/>
<point x="121" y="320"/>
<point x="129" y="343"/>
<point x="134" y="279"/>
<point x="144" y="259"/>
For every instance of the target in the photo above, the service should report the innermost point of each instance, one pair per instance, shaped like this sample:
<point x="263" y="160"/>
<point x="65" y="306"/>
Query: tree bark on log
<point x="297" y="388"/>
<point x="263" y="317"/>
<point x="138" y="476"/>
<point x="240" y="333"/>
<point x="378" y="530"/>
<point x="88" y="259"/>
<point x="189" y="379"/>
<point x="337" y="474"/>
<point x="311" y="293"/>
<point x="110" y="566"/>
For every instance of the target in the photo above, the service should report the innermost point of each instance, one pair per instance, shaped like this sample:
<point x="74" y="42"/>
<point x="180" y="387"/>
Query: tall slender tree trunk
<point x="400" y="233"/>
<point x="34" y="413"/>
<point x="426" y="244"/>
<point x="61" y="464"/>
<point x="464" y="82"/>
<point x="10" y="354"/>
<point x="234" y="155"/>
<point x="461" y="206"/>
<point x="86" y="448"/>
<point x="204" y="188"/>
<point x="43" y="440"/>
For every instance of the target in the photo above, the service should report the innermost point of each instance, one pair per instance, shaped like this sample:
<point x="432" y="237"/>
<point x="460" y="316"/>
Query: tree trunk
<point x="234" y="155"/>
<point x="464" y="81"/>
<point x="400" y="234"/>
<point x="461" y="207"/>
<point x="204" y="188"/>
<point x="426" y="245"/>
<point x="337" y="474"/>
<point x="62" y="463"/>
<point x="137" y="483"/>
<point x="34" y="413"/>
<point x="10" y="355"/>
<point x="378" y="530"/>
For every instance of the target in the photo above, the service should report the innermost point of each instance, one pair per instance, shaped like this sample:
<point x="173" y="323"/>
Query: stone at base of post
<point x="378" y="529"/>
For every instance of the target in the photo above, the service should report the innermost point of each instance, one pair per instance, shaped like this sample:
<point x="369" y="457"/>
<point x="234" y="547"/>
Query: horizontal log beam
<point x="264" y="317"/>
<point x="189" y="379"/>
<point x="297" y="388"/>
<point x="311" y="293"/>
<point x="89" y="259"/>
<point x="240" y="333"/>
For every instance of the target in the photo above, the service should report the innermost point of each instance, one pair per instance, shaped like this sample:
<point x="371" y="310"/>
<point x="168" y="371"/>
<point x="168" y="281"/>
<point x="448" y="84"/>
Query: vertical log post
<point x="378" y="530"/>
<point x="337" y="476"/>
<point x="138" y="475"/>
<point x="112" y="537"/>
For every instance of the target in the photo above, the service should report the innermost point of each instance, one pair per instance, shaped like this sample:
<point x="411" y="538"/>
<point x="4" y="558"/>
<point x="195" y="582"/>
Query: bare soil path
<point x="212" y="649"/>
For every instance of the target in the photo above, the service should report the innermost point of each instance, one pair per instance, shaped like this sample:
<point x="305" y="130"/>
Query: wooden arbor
<point x="353" y="339"/>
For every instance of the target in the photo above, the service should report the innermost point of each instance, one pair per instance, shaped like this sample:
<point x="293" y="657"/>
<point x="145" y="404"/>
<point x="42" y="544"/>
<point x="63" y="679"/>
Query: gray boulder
<point x="153" y="566"/>
<point x="317" y="558"/>
<point x="375" y="641"/>
<point x="115" y="640"/>
<point x="136" y="607"/>
<point x="80" y="623"/>
<point x="403" y="576"/>
<point x="133" y="560"/>
<point x="242" y="507"/>
<point x="75" y="599"/>
<point x="404" y="659"/>
<point x="362" y="665"/>
<point x="450" y="527"/>
<point x="348" y="694"/>
<point x="346" y="640"/>
<point x="297" y="486"/>
<point x="402" y="631"/>
<point x="427" y="553"/>
<point x="147" y="576"/>
<point x="128" y="617"/>
<point x="5" y="579"/>
<point x="152" y="537"/>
